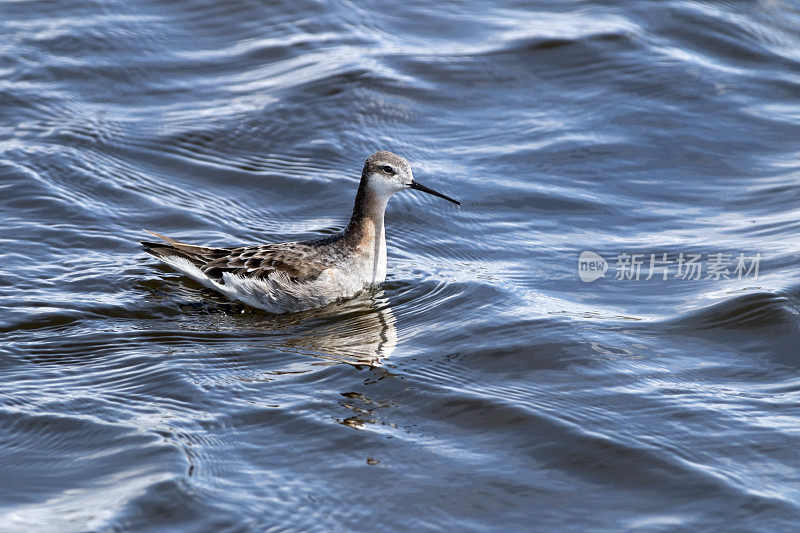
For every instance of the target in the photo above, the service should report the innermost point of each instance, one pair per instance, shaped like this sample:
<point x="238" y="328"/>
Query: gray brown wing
<point x="298" y="261"/>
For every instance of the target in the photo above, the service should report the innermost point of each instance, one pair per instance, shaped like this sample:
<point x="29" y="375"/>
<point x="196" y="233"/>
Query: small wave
<point x="749" y="311"/>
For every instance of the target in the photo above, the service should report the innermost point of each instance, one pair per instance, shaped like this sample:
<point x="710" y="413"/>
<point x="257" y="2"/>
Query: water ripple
<point x="485" y="377"/>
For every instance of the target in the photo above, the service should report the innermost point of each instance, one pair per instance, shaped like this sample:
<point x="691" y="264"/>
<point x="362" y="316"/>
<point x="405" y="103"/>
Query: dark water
<point x="486" y="388"/>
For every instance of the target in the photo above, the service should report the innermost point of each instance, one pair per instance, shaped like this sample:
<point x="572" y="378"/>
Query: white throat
<point x="381" y="191"/>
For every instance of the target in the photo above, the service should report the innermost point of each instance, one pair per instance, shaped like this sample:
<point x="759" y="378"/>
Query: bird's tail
<point x="170" y="248"/>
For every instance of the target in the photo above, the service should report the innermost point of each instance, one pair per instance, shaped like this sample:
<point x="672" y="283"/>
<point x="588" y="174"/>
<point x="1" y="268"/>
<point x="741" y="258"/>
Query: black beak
<point x="417" y="186"/>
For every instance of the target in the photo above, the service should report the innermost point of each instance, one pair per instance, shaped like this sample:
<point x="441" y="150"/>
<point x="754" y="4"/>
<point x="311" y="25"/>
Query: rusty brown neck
<point x="366" y="223"/>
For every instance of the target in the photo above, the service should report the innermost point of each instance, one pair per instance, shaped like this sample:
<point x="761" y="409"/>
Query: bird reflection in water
<point x="360" y="331"/>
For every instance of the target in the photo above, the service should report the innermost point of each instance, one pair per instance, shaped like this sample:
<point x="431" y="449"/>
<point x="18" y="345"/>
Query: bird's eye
<point x="387" y="169"/>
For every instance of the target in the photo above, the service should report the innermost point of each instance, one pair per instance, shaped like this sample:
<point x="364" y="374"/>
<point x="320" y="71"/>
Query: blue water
<point x="486" y="387"/>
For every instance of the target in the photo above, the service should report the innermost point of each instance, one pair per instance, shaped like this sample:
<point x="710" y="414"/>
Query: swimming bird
<point x="295" y="276"/>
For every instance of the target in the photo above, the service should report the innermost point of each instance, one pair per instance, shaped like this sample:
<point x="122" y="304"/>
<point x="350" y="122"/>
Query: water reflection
<point x="359" y="332"/>
<point x="363" y="410"/>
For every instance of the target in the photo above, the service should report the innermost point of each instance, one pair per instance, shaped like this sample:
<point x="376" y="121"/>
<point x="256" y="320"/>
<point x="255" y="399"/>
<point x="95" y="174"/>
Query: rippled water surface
<point x="485" y="387"/>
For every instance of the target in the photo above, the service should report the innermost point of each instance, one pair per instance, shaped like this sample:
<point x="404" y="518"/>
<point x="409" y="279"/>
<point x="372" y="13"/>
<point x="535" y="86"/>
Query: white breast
<point x="379" y="261"/>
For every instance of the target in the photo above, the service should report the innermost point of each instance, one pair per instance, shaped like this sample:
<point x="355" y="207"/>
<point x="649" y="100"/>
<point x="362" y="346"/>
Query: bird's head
<point x="387" y="173"/>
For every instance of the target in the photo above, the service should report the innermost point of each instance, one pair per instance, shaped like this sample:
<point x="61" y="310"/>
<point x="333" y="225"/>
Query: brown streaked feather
<point x="295" y="260"/>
